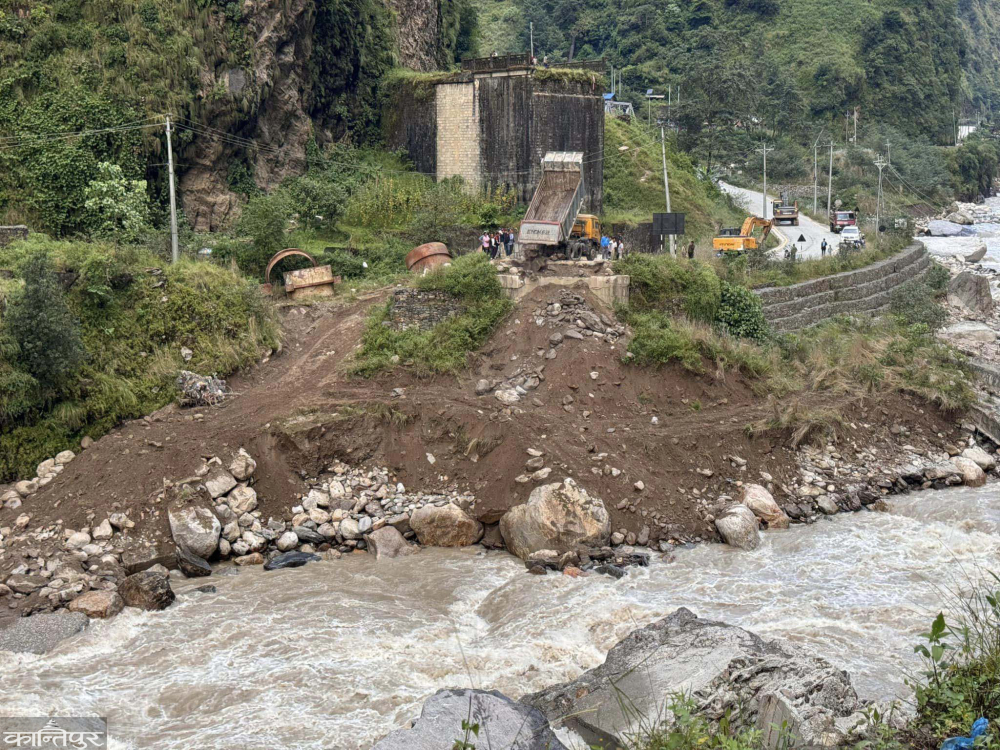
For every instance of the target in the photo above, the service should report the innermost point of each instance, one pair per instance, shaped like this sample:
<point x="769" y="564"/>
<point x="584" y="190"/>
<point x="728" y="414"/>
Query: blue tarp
<point x="961" y="743"/>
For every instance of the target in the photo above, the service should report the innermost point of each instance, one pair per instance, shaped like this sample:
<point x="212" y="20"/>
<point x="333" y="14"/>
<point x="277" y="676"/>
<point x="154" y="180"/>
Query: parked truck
<point x="785" y="211"/>
<point x="840" y="219"/>
<point x="553" y="223"/>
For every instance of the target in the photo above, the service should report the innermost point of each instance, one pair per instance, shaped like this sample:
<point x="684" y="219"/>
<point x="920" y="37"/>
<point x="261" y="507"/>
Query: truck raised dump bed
<point x="551" y="224"/>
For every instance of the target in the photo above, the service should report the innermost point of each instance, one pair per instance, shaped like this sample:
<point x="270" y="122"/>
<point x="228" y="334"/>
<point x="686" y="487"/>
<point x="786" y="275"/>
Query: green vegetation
<point x="633" y="182"/>
<point x="78" y="362"/>
<point x="445" y="347"/>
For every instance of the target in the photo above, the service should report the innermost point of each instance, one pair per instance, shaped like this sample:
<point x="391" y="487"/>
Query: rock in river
<point x="444" y="526"/>
<point x="738" y="527"/>
<point x="387" y="542"/>
<point x="195" y="529"/>
<point x="290" y="560"/>
<point x="146" y="590"/>
<point x="506" y="723"/>
<point x="191" y="565"/>
<point x="560" y="517"/>
<point x="724" y="668"/>
<point x="762" y="503"/>
<point x="41" y="633"/>
<point x="98" y="604"/>
<point x="972" y="474"/>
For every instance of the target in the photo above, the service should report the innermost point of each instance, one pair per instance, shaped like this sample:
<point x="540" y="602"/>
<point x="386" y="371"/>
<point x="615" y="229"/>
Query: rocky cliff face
<point x="277" y="96"/>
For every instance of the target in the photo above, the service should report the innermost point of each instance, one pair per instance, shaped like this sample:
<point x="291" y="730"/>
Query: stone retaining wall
<point x="866" y="290"/>
<point x="11" y="234"/>
<point x="421" y="309"/>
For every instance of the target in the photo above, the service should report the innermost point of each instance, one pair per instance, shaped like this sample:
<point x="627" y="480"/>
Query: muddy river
<point x="336" y="654"/>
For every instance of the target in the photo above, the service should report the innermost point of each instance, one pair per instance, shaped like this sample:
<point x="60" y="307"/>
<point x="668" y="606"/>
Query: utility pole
<point x="174" y="251"/>
<point x="888" y="153"/>
<point x="531" y="32"/>
<point x="816" y="170"/>
<point x="880" y="163"/>
<point x="855" y="126"/>
<point x="763" y="150"/>
<point x="829" y="184"/>
<point x="666" y="185"/>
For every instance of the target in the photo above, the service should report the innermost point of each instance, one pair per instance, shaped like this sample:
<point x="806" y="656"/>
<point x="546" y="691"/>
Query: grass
<point x="633" y="182"/>
<point x="446" y="346"/>
<point x="135" y="313"/>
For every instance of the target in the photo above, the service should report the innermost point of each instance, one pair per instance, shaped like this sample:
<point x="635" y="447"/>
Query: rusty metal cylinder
<point x="427" y="257"/>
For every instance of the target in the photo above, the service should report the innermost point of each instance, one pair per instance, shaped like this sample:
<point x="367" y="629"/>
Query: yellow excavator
<point x="742" y="239"/>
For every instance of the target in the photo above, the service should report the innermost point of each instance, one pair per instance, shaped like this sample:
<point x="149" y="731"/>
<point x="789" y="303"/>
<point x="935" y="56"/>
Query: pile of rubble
<point x="576" y="321"/>
<point x="201" y="390"/>
<point x="12" y="496"/>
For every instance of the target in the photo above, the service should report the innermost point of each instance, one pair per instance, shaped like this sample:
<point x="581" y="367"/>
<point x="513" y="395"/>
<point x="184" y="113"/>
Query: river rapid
<point x="336" y="654"/>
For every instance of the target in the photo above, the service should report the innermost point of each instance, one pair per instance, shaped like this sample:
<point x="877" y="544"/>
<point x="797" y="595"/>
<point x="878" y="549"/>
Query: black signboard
<point x="668" y="224"/>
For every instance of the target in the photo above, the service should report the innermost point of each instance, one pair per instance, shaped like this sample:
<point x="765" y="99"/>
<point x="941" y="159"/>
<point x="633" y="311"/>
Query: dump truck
<point x="553" y="223"/>
<point x="840" y="219"/>
<point x="742" y="239"/>
<point x="785" y="211"/>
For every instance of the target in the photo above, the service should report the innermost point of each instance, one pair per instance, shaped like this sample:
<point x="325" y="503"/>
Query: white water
<point x="337" y="654"/>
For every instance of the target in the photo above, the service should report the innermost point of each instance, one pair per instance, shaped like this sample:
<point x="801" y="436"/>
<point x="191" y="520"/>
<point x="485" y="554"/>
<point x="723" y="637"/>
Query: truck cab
<point x="587" y="227"/>
<point x="840" y="219"/>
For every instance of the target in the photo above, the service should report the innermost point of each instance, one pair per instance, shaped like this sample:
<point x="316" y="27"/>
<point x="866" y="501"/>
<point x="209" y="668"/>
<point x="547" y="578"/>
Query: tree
<point x="116" y="207"/>
<point x="39" y="321"/>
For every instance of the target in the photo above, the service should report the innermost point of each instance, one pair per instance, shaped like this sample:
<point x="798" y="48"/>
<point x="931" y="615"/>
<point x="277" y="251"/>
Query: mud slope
<point x="608" y="424"/>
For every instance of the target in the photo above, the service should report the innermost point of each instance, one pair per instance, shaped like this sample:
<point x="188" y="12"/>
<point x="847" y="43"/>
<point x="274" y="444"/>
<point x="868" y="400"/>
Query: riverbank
<point x="856" y="589"/>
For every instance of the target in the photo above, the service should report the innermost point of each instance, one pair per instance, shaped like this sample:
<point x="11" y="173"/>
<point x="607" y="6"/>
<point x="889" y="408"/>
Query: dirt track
<point x="299" y="411"/>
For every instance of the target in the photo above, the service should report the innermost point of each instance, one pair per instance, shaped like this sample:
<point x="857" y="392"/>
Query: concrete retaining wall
<point x="866" y="290"/>
<point x="11" y="234"/>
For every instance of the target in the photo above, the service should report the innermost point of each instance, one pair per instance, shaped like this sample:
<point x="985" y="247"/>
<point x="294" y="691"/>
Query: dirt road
<point x="812" y="231"/>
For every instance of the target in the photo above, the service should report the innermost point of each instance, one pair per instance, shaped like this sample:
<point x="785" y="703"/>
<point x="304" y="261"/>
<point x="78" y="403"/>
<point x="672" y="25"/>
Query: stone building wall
<point x="457" y="109"/>
<point x="421" y="309"/>
<point x="866" y="290"/>
<point x="494" y="128"/>
<point x="11" y="234"/>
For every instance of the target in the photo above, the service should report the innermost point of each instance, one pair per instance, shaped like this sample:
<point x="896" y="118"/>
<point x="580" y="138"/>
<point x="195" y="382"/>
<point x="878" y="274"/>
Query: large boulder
<point x="444" y="526"/>
<point x="959" y="217"/>
<point x="98" y="604"/>
<point x="738" y="527"/>
<point x="147" y="590"/>
<point x="42" y="632"/>
<point x="218" y="481"/>
<point x="971" y="292"/>
<point x="972" y="474"/>
<point x="387" y="542"/>
<point x="724" y="669"/>
<point x="506" y="723"/>
<point x="242" y="466"/>
<point x="983" y="460"/>
<point x="195" y="529"/>
<point x="977" y="256"/>
<point x="560" y="517"/>
<point x="191" y="565"/>
<point x="762" y="503"/>
<point x="941" y="228"/>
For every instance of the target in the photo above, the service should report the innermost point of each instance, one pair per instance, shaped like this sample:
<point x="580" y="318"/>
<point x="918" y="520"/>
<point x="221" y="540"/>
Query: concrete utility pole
<point x="816" y="170"/>
<point x="829" y="184"/>
<point x="888" y="153"/>
<point x="174" y="251"/>
<point x="763" y="150"/>
<point x="666" y="185"/>
<point x="531" y="33"/>
<point x="880" y="163"/>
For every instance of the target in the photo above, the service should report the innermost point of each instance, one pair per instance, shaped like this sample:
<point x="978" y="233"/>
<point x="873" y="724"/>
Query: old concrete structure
<point x="864" y="291"/>
<point x="492" y="128"/>
<point x="423" y="309"/>
<point x="11" y="234"/>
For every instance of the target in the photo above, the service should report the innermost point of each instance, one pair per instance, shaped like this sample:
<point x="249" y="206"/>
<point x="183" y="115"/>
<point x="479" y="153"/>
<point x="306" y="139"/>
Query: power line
<point x="17" y="141"/>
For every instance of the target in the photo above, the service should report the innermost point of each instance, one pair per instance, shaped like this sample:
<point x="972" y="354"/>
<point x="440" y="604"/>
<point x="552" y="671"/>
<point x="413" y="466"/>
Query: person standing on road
<point x="822" y="248"/>
<point x="691" y="250"/>
<point x="484" y="241"/>
<point x="605" y="247"/>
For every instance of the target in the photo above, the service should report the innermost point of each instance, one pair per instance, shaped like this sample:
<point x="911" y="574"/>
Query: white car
<point x="853" y="236"/>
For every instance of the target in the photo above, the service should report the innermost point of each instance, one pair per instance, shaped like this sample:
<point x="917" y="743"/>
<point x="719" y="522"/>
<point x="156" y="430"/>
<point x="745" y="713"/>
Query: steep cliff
<point x="250" y="86"/>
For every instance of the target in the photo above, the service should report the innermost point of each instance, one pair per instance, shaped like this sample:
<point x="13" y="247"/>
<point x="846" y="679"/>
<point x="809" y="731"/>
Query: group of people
<point x="612" y="248"/>
<point x="498" y="244"/>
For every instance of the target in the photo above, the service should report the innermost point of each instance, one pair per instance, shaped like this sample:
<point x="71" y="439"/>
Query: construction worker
<point x="605" y="244"/>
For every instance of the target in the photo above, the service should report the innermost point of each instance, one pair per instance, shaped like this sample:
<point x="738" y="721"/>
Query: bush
<point x="41" y="324"/>
<point x="913" y="304"/>
<point x="445" y="347"/>
<point x="937" y="278"/>
<point x="741" y="313"/>
<point x="117" y="208"/>
<point x="658" y="282"/>
<point x="263" y="221"/>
